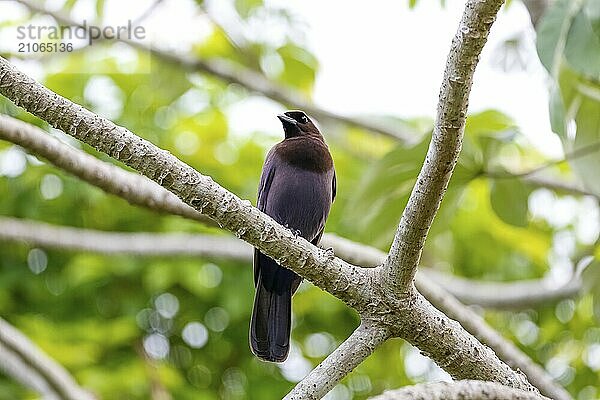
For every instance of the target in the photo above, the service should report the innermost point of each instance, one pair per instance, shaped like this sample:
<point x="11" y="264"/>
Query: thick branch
<point x="345" y="281"/>
<point x="472" y="322"/>
<point x="360" y="345"/>
<point x="23" y="358"/>
<point x="505" y="349"/>
<point x="244" y="77"/>
<point x="445" y="145"/>
<point x="451" y="347"/>
<point x="459" y="390"/>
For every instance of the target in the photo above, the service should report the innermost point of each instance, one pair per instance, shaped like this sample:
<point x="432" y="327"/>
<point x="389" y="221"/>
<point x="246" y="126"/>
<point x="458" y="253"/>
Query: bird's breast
<point x="305" y="153"/>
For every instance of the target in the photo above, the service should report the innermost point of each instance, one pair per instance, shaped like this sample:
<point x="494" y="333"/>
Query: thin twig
<point x="573" y="155"/>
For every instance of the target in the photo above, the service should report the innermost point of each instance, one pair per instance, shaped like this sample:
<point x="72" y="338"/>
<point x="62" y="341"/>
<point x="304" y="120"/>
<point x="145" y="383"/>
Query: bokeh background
<point x="125" y="325"/>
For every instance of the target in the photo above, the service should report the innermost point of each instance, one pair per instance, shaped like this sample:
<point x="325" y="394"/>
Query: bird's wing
<point x="334" y="188"/>
<point x="266" y="178"/>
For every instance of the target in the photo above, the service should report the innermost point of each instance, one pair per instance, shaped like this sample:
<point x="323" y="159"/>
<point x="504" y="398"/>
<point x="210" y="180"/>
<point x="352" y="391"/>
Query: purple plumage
<point x="297" y="187"/>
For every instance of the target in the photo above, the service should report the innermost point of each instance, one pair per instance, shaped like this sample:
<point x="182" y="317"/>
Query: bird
<point x="297" y="188"/>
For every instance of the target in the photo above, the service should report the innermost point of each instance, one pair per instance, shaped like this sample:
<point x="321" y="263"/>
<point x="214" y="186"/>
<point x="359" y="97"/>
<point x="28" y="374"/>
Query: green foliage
<point x="570" y="30"/>
<point x="94" y="312"/>
<point x="509" y="201"/>
<point x="569" y="47"/>
<point x="246" y="7"/>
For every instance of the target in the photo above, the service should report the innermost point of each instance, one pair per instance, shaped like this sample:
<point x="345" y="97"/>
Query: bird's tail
<point x="272" y="313"/>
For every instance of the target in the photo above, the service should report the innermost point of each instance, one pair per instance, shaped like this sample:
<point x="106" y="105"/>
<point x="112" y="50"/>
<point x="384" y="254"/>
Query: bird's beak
<point x="285" y="120"/>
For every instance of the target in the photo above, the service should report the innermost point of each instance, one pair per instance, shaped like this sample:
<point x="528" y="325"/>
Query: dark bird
<point x="297" y="187"/>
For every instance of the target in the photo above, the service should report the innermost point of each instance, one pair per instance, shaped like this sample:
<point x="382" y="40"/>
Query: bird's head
<point x="297" y="123"/>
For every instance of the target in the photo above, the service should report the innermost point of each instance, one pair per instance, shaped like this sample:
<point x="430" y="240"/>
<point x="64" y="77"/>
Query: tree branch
<point x="139" y="243"/>
<point x="245" y="77"/>
<point x="499" y="295"/>
<point x="345" y="281"/>
<point x="360" y="345"/>
<point x="23" y="360"/>
<point x="439" y="337"/>
<point x="505" y="295"/>
<point x="224" y="247"/>
<point x="136" y="189"/>
<point x="559" y="186"/>
<point x="444" y="148"/>
<point x="505" y="349"/>
<point x="15" y="368"/>
<point x="459" y="390"/>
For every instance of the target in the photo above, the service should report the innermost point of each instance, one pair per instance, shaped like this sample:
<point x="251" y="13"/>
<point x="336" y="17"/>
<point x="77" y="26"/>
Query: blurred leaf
<point x="488" y="122"/>
<point x="485" y="247"/>
<point x="245" y="7"/>
<point x="509" y="200"/>
<point x="581" y="101"/>
<point x="485" y="133"/>
<point x="570" y="30"/>
<point x="69" y="4"/>
<point x="583" y="43"/>
<point x="217" y="44"/>
<point x="100" y="8"/>
<point x="557" y="113"/>
<point x="591" y="282"/>
<point x="300" y="67"/>
<point x="385" y="188"/>
<point x="553" y="30"/>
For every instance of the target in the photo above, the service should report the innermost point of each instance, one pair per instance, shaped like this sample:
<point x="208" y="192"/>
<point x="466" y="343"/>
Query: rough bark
<point x="459" y="390"/>
<point x="360" y="345"/>
<point x="444" y="148"/>
<point x="504" y="349"/>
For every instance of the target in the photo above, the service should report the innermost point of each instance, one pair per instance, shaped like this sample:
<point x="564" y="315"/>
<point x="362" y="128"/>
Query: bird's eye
<point x="304" y="119"/>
